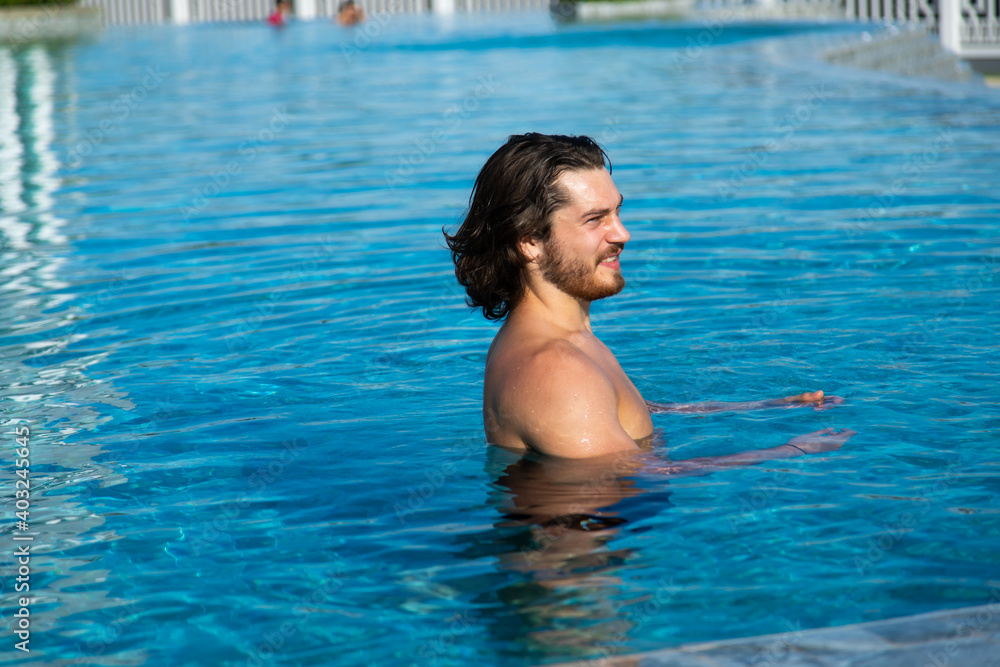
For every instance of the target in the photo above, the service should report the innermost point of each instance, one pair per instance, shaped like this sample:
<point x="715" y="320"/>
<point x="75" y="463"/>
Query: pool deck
<point x="967" y="637"/>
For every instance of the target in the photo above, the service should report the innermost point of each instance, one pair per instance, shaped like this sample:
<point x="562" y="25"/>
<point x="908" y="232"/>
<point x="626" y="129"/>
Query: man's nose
<point x="617" y="232"/>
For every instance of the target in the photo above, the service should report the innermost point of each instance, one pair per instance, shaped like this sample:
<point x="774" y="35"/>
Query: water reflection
<point x="560" y="537"/>
<point x="555" y="544"/>
<point x="28" y="165"/>
<point x="43" y="386"/>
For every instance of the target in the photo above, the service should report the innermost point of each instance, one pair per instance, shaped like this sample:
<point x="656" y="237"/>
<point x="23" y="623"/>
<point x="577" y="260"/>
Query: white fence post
<point x="443" y="6"/>
<point x="950" y="25"/>
<point x="180" y="11"/>
<point x="305" y="9"/>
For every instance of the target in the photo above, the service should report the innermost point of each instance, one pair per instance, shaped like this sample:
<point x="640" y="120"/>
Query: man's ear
<point x="531" y="248"/>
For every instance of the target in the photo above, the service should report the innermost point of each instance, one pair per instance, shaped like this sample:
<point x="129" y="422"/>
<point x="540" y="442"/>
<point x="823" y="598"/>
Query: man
<point x="349" y="13"/>
<point x="542" y="240"/>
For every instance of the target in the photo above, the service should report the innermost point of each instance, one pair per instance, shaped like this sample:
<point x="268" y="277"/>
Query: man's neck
<point x="552" y="305"/>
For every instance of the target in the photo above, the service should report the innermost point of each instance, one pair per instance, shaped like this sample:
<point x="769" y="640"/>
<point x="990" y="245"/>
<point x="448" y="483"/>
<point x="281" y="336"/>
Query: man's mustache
<point x="617" y="249"/>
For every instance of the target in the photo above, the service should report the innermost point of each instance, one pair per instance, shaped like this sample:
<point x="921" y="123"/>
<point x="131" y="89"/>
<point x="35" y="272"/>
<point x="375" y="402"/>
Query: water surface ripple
<point x="253" y="387"/>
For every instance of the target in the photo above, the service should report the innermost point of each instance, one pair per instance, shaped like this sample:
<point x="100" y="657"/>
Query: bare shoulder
<point x="557" y="400"/>
<point x="559" y="361"/>
<point x="540" y="368"/>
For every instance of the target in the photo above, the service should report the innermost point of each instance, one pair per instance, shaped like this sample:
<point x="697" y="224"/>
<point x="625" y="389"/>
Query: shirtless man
<point x="542" y="240"/>
<point x="349" y="13"/>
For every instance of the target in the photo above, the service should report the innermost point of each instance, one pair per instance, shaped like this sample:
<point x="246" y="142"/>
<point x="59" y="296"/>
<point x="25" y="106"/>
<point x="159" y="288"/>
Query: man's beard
<point x="577" y="277"/>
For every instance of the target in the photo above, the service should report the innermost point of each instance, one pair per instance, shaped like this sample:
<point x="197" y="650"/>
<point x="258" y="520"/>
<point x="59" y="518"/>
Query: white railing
<point x="208" y="11"/>
<point x="963" y="25"/>
<point x="967" y="28"/>
<point x="117" y="12"/>
<point x="966" y="24"/>
<point x="980" y="23"/>
<point x="126" y="12"/>
<point x="501" y="5"/>
<point x="328" y="8"/>
<point x="907" y="11"/>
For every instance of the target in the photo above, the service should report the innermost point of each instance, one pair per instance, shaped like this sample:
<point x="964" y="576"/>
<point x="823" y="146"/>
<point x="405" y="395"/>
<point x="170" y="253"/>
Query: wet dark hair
<point x="513" y="199"/>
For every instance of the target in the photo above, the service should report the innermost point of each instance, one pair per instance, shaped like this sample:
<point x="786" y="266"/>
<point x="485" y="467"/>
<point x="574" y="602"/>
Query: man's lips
<point x="611" y="261"/>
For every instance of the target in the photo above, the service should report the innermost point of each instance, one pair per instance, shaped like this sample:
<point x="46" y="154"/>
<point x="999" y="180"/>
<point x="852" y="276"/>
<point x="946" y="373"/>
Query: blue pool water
<point x="253" y="389"/>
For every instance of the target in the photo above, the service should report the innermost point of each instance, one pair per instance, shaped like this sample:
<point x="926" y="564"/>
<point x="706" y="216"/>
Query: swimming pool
<point x="253" y="388"/>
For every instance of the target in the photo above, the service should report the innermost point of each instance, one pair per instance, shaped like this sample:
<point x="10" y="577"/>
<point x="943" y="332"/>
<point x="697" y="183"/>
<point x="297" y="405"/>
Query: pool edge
<point x="963" y="636"/>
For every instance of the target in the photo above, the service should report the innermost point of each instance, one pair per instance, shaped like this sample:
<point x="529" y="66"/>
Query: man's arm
<point x="824" y="440"/>
<point x="816" y="399"/>
<point x="569" y="407"/>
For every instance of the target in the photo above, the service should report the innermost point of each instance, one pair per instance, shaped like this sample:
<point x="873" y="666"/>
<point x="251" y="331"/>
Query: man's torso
<point x="509" y="406"/>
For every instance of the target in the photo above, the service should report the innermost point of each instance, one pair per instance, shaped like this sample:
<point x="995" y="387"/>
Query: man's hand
<point x="815" y="398"/>
<point x="824" y="440"/>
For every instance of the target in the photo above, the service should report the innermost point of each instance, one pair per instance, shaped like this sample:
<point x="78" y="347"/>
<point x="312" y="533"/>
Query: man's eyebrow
<point x="601" y="212"/>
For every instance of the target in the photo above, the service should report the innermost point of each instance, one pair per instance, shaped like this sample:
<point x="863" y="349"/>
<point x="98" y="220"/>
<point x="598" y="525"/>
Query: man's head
<point x="509" y="226"/>
<point x="580" y="255"/>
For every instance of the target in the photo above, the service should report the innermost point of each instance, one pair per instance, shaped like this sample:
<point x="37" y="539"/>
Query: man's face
<point x="581" y="255"/>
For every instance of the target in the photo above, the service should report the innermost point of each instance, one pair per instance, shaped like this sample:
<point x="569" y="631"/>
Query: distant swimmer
<point x="282" y="11"/>
<point x="542" y="240"/>
<point x="349" y="13"/>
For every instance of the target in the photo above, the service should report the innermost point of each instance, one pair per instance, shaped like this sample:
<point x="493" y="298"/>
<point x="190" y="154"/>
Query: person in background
<point x="349" y="14"/>
<point x="282" y="11"/>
